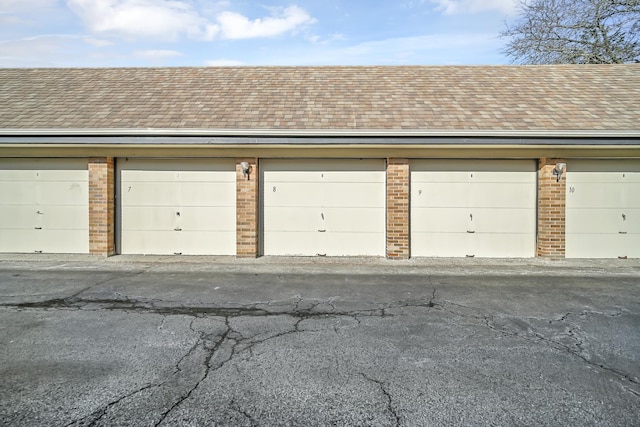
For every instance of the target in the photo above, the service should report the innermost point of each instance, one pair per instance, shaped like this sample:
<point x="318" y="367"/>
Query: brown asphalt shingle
<point x="500" y="98"/>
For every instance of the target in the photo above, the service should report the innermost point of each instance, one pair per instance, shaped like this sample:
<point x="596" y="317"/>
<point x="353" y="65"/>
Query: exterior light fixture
<point x="246" y="169"/>
<point x="559" y="170"/>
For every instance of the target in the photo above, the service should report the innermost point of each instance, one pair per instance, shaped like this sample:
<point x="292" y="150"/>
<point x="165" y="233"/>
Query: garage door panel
<point x="291" y="219"/>
<point x="630" y="196"/>
<point x="291" y="243"/>
<point x="504" y="220"/>
<point x="631" y="222"/>
<point x="429" y="177"/>
<point x="358" y="220"/>
<point x="157" y="242"/>
<point x="586" y="220"/>
<point x="207" y="218"/>
<point x="18" y="193"/>
<point x="149" y="193"/>
<point x="199" y="242"/>
<point x="207" y="194"/>
<point x="469" y="203"/>
<point x="441" y="244"/>
<point x="44" y="205"/>
<point x="586" y="168"/>
<point x="505" y="176"/>
<point x="503" y="195"/>
<point x="63" y="218"/>
<point x="449" y="220"/>
<point x="441" y="195"/>
<point x="594" y="195"/>
<point x="631" y="244"/>
<point x="603" y="206"/>
<point x="65" y="193"/>
<point x="345" y="169"/>
<point x="149" y="218"/>
<point x="172" y="206"/>
<point x="591" y="245"/>
<point x="65" y="241"/>
<point x="324" y="194"/>
<point x="467" y="166"/>
<point x="18" y="239"/>
<point x="371" y="195"/>
<point x="596" y="177"/>
<point x="353" y="244"/>
<point x="316" y="205"/>
<point x="21" y="217"/>
<point x="503" y="245"/>
<point x="293" y="194"/>
<point x="323" y="175"/>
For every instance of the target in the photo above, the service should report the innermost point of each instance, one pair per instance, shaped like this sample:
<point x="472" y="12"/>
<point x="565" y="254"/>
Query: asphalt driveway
<point x="146" y="341"/>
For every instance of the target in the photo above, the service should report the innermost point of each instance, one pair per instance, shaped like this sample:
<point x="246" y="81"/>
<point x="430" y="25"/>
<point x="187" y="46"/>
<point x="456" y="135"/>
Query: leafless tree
<point x="575" y="32"/>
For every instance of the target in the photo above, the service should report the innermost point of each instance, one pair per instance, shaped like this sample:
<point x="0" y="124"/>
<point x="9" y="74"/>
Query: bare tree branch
<point x="575" y="31"/>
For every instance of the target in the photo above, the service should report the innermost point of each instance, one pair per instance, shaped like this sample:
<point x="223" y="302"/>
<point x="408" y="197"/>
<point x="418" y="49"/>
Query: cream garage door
<point x="331" y="207"/>
<point x="481" y="208"/>
<point x="44" y="205"/>
<point x="177" y="206"/>
<point x="603" y="209"/>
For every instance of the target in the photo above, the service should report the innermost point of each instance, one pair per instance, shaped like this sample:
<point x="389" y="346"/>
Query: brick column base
<point x="551" y="210"/>
<point x="247" y="209"/>
<point x="398" y="209"/>
<point x="101" y="206"/>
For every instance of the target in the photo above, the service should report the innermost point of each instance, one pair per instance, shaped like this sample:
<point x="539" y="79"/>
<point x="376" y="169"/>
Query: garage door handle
<point x="322" y="231"/>
<point x="38" y="228"/>
<point x="469" y="231"/>
<point x="177" y="229"/>
<point x="622" y="232"/>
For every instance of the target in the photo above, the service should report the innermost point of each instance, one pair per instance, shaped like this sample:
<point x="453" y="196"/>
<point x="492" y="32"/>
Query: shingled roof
<point x="497" y="98"/>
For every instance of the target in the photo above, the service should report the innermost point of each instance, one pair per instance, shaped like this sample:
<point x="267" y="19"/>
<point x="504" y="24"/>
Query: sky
<point x="145" y="33"/>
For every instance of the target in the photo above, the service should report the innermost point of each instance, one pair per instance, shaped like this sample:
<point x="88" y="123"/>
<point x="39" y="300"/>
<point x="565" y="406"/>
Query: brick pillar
<point x="101" y="206"/>
<point x="398" y="209"/>
<point x="247" y="209"/>
<point x="551" y="210"/>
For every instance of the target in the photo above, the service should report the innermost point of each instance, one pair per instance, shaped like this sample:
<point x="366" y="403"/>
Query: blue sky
<point x="118" y="33"/>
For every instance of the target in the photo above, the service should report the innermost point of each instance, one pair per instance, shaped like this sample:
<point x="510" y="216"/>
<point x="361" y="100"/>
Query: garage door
<point x="177" y="206"/>
<point x="603" y="209"/>
<point x="323" y="207"/>
<point x="44" y="205"/>
<point x="482" y="208"/>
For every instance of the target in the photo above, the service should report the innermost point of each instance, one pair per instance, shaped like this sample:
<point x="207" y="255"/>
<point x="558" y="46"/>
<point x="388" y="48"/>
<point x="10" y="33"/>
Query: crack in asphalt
<point x="535" y="336"/>
<point x="234" y="343"/>
<point x="211" y="346"/>
<point x="387" y="396"/>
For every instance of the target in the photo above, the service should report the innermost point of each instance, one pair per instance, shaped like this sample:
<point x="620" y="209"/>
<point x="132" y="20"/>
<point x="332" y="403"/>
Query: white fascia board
<point x="326" y="133"/>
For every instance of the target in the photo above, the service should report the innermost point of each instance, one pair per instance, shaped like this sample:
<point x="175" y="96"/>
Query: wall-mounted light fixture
<point x="246" y="169"/>
<point x="559" y="170"/>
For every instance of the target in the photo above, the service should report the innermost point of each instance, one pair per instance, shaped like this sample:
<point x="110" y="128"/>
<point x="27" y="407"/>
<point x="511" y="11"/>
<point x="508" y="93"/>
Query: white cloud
<point x="98" y="42"/>
<point x="224" y="63"/>
<point x="435" y="49"/>
<point x="161" y="19"/>
<point x="46" y="50"/>
<point x="172" y="19"/>
<point x="455" y="7"/>
<point x="11" y="6"/>
<point x="236" y="26"/>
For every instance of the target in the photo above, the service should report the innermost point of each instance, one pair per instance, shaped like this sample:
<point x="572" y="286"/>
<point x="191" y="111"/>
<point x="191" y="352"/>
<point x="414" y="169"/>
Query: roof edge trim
<point x="325" y="133"/>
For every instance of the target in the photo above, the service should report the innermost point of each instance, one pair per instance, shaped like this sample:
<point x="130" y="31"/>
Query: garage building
<point x="503" y="161"/>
